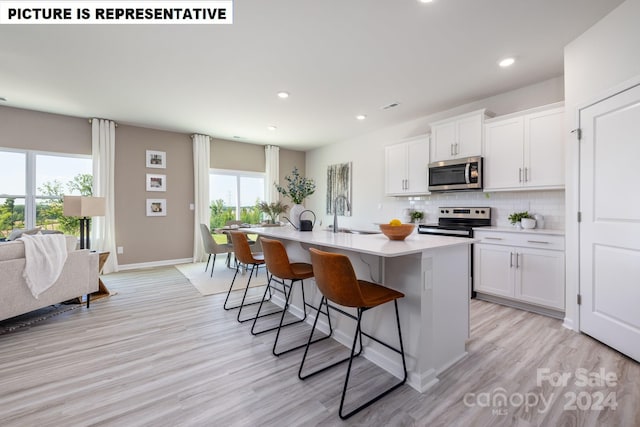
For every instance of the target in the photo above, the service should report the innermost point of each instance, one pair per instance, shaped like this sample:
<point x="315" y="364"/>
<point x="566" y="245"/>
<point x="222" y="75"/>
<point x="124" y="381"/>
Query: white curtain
<point x="272" y="169"/>
<point x="103" y="229"/>
<point x="202" y="215"/>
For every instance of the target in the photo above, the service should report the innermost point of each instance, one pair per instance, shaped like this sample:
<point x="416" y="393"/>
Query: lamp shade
<point x="84" y="206"/>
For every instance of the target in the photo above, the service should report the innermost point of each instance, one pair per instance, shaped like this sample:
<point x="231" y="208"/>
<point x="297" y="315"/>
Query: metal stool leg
<point x="385" y="392"/>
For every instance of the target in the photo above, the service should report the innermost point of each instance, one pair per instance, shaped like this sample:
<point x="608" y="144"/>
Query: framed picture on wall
<point x="156" y="159"/>
<point x="156" y="182"/>
<point x="156" y="207"/>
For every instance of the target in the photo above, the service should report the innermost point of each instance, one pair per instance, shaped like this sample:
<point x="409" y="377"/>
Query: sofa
<point x="79" y="277"/>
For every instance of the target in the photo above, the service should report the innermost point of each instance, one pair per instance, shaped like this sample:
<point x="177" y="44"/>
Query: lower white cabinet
<point x="526" y="267"/>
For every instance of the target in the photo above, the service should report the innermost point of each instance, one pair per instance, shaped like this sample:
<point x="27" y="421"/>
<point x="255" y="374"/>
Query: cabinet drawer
<point x="522" y="239"/>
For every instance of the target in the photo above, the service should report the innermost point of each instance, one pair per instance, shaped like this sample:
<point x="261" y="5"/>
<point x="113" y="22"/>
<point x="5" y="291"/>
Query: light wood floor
<point x="159" y="354"/>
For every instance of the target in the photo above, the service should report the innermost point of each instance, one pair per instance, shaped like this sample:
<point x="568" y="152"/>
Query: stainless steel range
<point x="458" y="221"/>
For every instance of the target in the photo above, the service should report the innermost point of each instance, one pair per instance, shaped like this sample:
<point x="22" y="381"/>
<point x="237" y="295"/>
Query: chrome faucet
<point x="335" y="210"/>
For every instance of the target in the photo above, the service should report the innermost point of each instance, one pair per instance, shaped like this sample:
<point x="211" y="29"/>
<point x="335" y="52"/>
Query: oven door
<point x="456" y="175"/>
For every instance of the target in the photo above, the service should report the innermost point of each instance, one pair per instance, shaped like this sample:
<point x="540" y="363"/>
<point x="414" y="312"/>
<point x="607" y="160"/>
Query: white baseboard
<point x="151" y="264"/>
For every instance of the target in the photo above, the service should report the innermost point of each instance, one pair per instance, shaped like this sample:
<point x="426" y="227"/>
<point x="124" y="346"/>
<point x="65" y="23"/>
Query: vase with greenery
<point x="417" y="216"/>
<point x="516" y="217"/>
<point x="297" y="189"/>
<point x="272" y="210"/>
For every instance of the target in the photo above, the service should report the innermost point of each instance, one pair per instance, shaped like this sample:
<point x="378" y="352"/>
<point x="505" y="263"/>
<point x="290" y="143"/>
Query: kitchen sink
<point x="354" y="231"/>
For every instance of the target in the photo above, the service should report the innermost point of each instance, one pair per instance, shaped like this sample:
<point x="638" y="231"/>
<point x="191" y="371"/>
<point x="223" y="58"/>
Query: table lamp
<point x="84" y="207"/>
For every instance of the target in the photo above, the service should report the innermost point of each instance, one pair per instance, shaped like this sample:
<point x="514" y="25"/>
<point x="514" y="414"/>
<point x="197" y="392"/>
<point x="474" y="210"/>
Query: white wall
<point x="367" y="154"/>
<point x="600" y="60"/>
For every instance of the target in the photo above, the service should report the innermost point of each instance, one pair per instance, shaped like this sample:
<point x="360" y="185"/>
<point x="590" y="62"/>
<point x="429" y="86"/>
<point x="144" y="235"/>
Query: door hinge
<point x="579" y="216"/>
<point x="578" y="133"/>
<point x="579" y="299"/>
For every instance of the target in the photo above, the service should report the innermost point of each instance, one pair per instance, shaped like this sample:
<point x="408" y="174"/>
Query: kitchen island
<point x="432" y="271"/>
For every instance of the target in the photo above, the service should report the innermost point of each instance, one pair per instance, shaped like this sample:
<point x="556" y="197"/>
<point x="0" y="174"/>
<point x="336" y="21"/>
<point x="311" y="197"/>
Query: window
<point x="32" y="185"/>
<point x="233" y="196"/>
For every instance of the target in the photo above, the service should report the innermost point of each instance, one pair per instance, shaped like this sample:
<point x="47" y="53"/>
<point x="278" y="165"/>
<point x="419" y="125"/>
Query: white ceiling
<point x="337" y="58"/>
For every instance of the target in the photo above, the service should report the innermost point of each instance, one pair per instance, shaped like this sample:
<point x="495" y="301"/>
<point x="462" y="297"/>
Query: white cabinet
<point x="525" y="150"/>
<point x="457" y="137"/>
<point x="406" y="167"/>
<point x="524" y="267"/>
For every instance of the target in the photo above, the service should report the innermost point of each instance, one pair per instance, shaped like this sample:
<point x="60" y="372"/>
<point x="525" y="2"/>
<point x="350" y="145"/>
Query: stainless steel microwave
<point x="456" y="175"/>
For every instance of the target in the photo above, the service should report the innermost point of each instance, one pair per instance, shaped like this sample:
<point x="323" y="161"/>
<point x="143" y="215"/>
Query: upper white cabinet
<point x="525" y="150"/>
<point x="406" y="167"/>
<point x="457" y="137"/>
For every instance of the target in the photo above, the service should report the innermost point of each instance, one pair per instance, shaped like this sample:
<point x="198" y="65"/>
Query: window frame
<point x="31" y="197"/>
<point x="239" y="174"/>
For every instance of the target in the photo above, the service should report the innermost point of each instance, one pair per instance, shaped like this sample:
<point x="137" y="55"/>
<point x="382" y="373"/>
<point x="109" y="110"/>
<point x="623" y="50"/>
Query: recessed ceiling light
<point x="271" y="127"/>
<point x="361" y="117"/>
<point x="506" y="62"/>
<point x="283" y="95"/>
<point x="425" y="1"/>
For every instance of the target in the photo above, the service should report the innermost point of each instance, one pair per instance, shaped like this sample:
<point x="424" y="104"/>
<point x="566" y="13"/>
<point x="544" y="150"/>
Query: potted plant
<point x="417" y="216"/>
<point x="297" y="189"/>
<point x="516" y="217"/>
<point x="272" y="210"/>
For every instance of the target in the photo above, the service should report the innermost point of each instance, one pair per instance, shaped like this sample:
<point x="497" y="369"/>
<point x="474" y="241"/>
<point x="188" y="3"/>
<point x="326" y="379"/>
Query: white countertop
<point x="374" y="244"/>
<point x="522" y="230"/>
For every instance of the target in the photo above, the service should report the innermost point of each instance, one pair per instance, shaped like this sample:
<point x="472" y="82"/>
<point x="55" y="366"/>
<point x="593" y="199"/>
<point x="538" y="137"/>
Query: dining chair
<point x="213" y="248"/>
<point x="337" y="282"/>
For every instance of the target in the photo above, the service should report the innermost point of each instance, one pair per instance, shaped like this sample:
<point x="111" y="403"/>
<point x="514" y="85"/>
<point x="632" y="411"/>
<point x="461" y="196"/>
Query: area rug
<point x="33" y="317"/>
<point x="222" y="276"/>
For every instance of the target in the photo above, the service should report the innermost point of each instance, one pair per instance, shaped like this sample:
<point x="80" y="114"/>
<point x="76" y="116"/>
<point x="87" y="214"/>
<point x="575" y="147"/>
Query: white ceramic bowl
<point x="528" y="223"/>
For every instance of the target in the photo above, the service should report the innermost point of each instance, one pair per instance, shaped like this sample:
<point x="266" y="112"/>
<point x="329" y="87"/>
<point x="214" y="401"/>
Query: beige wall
<point x="143" y="239"/>
<point x="151" y="239"/>
<point x="33" y="130"/>
<point x="238" y="156"/>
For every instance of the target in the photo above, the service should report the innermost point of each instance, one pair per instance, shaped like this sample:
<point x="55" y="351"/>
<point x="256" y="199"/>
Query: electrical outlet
<point x="120" y="250"/>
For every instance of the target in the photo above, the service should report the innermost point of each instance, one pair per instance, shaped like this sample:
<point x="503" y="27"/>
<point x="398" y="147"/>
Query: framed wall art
<point x="156" y="207"/>
<point x="339" y="188"/>
<point x="156" y="182"/>
<point x="156" y="159"/>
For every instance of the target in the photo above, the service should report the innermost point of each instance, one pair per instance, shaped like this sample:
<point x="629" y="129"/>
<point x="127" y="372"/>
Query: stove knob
<point x="477" y="211"/>
<point x="482" y="211"/>
<point x="441" y="211"/>
<point x="447" y="210"/>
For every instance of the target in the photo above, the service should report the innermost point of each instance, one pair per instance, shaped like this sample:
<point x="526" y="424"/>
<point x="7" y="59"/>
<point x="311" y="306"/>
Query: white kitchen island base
<point x="434" y="274"/>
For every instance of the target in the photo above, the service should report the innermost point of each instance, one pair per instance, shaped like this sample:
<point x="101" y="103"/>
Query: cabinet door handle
<point x="526" y="174"/>
<point x="538" y="241"/>
<point x="519" y="174"/>
<point x="406" y="183"/>
<point x="457" y="151"/>
<point x="517" y="260"/>
<point x="510" y="259"/>
<point x="493" y="238"/>
<point x="451" y="149"/>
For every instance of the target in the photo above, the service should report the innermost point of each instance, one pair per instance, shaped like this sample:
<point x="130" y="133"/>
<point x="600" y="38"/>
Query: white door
<point x="540" y="277"/>
<point x="610" y="227"/>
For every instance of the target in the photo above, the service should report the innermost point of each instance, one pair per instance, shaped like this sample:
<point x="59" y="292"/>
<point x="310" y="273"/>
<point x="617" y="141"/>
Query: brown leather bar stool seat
<point x="279" y="266"/>
<point x="248" y="260"/>
<point x="336" y="280"/>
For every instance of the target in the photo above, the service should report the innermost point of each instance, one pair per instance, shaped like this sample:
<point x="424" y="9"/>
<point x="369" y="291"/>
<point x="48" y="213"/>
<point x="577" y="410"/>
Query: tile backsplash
<point x="549" y="204"/>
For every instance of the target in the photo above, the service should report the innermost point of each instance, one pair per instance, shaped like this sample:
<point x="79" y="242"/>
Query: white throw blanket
<point x="45" y="256"/>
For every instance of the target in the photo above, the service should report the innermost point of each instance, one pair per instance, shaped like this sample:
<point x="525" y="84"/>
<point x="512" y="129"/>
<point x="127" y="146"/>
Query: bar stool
<point x="245" y="259"/>
<point x="278" y="265"/>
<point x="336" y="280"/>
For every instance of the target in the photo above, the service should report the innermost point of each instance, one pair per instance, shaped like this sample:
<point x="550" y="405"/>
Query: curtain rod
<point x="91" y="121"/>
